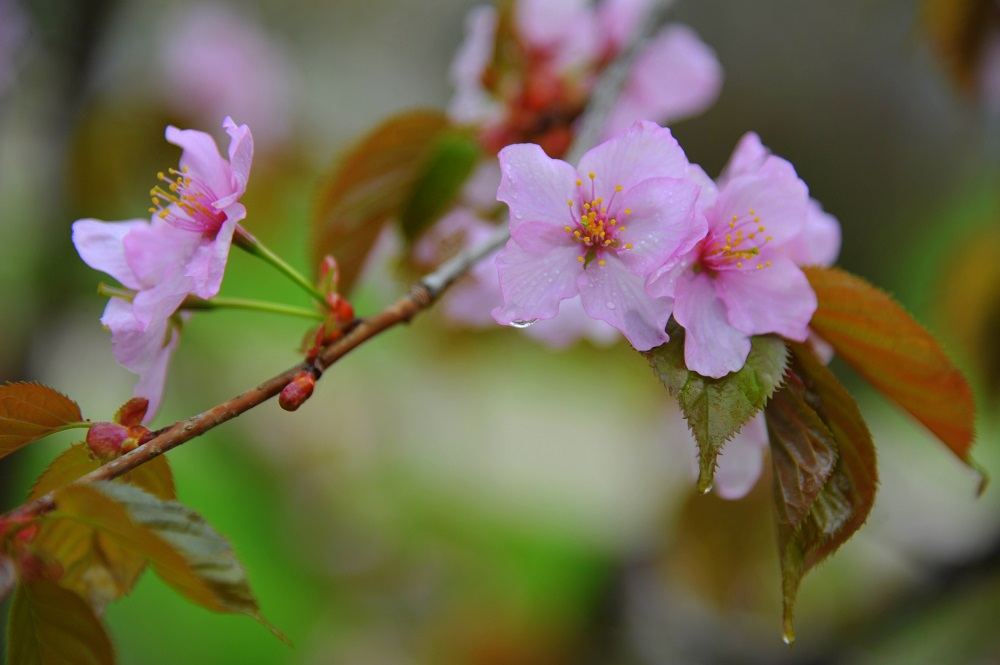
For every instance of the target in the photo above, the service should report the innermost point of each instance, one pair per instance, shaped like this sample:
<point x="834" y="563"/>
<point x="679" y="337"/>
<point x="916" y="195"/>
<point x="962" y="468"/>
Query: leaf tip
<point x="788" y="630"/>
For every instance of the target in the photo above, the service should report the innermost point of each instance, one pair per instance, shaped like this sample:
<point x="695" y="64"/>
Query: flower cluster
<point x="524" y="74"/>
<point x="181" y="250"/>
<point x="639" y="235"/>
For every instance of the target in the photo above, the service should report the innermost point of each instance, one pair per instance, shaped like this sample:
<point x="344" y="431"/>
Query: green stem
<point x="253" y="246"/>
<point x="255" y="305"/>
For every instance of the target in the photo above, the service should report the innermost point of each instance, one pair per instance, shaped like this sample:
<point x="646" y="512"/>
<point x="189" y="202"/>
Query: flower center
<point x="737" y="245"/>
<point x="188" y="203"/>
<point x="592" y="226"/>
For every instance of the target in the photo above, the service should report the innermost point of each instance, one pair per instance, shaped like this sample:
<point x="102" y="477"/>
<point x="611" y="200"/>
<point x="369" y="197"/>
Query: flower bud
<point x="341" y="308"/>
<point x="297" y="391"/>
<point x="106" y="439"/>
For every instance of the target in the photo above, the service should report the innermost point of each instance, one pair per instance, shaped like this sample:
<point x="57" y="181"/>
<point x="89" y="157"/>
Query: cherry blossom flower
<point x="743" y="279"/>
<point x="537" y="91"/>
<point x="202" y="197"/>
<point x="597" y="231"/>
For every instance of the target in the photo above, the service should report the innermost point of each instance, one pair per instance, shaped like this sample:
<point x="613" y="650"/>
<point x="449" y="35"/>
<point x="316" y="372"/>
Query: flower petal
<point x="202" y="159"/>
<point x="570" y="326"/>
<point x="240" y="158"/>
<point x="535" y="186"/>
<point x="101" y="245"/>
<point x="819" y="242"/>
<point x="776" y="195"/>
<point x="676" y="76"/>
<point x="537" y="269"/>
<point x="747" y="158"/>
<point x="471" y="103"/>
<point x="712" y="346"/>
<point x="664" y="223"/>
<point x="742" y="460"/>
<point x="208" y="262"/>
<point x="612" y="294"/>
<point x="777" y="299"/>
<point x="645" y="151"/>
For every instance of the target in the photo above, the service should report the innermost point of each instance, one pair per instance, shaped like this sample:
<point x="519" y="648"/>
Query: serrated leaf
<point x="30" y="411"/>
<point x="825" y="474"/>
<point x="451" y="161"/>
<point x="716" y="409"/>
<point x="368" y="186"/>
<point x="51" y="625"/>
<point x="177" y="542"/>
<point x="883" y="343"/>
<point x="95" y="566"/>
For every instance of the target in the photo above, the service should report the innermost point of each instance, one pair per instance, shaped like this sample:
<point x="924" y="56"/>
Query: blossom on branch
<point x="744" y="279"/>
<point x="597" y="231"/>
<point x="181" y="251"/>
<point x="525" y="74"/>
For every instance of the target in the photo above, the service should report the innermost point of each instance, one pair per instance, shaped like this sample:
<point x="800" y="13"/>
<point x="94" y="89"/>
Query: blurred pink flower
<point x="202" y="197"/>
<point x="216" y="61"/>
<point x="630" y="210"/>
<point x="742" y="279"/>
<point x="562" y="45"/>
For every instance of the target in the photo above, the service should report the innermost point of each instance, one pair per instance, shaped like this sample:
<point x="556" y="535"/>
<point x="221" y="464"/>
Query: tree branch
<point x="421" y="296"/>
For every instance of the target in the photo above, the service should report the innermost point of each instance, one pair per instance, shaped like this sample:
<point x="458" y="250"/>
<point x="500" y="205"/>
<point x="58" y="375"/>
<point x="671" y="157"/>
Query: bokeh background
<point x="470" y="497"/>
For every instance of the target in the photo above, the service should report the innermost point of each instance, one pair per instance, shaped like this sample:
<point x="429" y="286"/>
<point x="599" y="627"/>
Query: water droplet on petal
<point x="521" y="323"/>
<point x="609" y="305"/>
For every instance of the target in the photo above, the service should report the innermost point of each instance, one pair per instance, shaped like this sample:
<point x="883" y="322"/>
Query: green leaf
<point x="177" y="542"/>
<point x="29" y="411"/>
<point x="885" y="345"/>
<point x="825" y="474"/>
<point x="95" y="566"/>
<point x="448" y="166"/>
<point x="369" y="185"/>
<point x="50" y="625"/>
<point x="716" y="409"/>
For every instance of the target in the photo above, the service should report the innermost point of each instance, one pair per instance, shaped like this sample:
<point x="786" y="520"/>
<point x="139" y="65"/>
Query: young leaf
<point x="154" y="476"/>
<point x="824" y="470"/>
<point x="716" y="409"/>
<point x="51" y="625"/>
<point x="449" y="164"/>
<point x="180" y="546"/>
<point x="368" y="186"/>
<point x="883" y="343"/>
<point x="29" y="411"/>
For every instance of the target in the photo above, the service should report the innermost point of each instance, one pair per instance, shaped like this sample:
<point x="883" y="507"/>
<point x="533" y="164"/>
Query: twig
<point x="421" y="296"/>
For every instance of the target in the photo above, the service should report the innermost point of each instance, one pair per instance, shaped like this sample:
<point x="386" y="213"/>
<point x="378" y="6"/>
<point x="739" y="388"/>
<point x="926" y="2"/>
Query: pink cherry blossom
<point x="202" y="197"/>
<point x="597" y="230"/>
<point x="148" y="258"/>
<point x="741" y="281"/>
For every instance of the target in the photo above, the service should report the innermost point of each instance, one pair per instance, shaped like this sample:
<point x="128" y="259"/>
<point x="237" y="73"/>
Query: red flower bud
<point x="106" y="439"/>
<point x="341" y="308"/>
<point x="297" y="391"/>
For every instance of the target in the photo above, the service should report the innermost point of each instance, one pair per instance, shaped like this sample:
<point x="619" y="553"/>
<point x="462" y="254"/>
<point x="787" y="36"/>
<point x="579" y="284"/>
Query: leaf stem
<point x="254" y="305"/>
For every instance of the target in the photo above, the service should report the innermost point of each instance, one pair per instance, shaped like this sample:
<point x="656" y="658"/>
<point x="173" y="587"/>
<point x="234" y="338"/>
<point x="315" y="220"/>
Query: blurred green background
<point x="453" y="497"/>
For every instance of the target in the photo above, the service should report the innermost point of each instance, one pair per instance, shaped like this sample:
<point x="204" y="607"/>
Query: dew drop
<point x="522" y="324"/>
<point x="788" y="639"/>
<point x="609" y="305"/>
<point x="705" y="489"/>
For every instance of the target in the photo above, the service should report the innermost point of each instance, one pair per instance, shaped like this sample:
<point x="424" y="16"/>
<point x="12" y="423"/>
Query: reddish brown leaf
<point x="883" y="343"/>
<point x="50" y="625"/>
<point x="370" y="184"/>
<point x="824" y="470"/>
<point x="29" y="411"/>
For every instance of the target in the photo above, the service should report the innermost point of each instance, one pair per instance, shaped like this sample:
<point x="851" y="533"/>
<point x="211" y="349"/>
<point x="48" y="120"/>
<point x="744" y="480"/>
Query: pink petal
<point x="240" y="155"/>
<point x="777" y="299"/>
<point x="537" y="269"/>
<point x="664" y="223"/>
<point x="202" y="159"/>
<point x="208" y="262"/>
<point x="676" y="76"/>
<point x="775" y="194"/>
<point x="101" y="246"/>
<point x="566" y="30"/>
<point x="161" y="301"/>
<point x="742" y="460"/>
<point x="619" y="19"/>
<point x="709" y="190"/>
<point x="471" y="102"/>
<point x="662" y="282"/>
<point x="153" y="250"/>
<point x="747" y="158"/>
<point x="819" y="242"/>
<point x="570" y="326"/>
<point x="612" y="294"/>
<point x="645" y="151"/>
<point x="712" y="346"/>
<point x="535" y="186"/>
